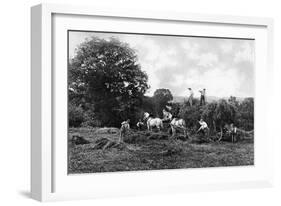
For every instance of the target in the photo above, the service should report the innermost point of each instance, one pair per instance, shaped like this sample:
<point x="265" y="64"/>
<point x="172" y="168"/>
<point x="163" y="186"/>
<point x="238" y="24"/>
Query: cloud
<point x="223" y="66"/>
<point x="179" y="80"/>
<point x="218" y="82"/>
<point x="226" y="47"/>
<point x="221" y="82"/>
<point x="245" y="53"/>
<point x="153" y="59"/>
<point x="207" y="60"/>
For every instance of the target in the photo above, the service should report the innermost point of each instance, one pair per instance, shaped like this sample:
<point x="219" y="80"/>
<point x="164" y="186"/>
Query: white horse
<point x="175" y="123"/>
<point x="153" y="122"/>
<point x="178" y="124"/>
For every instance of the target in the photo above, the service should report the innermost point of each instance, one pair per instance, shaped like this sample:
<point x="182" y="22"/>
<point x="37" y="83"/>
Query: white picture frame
<point x="49" y="181"/>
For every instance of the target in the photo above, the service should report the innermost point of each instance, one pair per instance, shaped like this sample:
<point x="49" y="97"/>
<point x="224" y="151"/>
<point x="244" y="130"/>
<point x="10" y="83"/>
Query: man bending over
<point x="203" y="127"/>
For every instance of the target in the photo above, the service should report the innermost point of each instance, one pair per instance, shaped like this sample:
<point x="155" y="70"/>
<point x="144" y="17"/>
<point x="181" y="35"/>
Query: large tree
<point x="161" y="98"/>
<point x="105" y="73"/>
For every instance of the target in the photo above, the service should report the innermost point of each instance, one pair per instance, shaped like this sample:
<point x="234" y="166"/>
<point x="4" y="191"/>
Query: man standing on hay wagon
<point x="190" y="98"/>
<point x="125" y="127"/>
<point x="202" y="97"/>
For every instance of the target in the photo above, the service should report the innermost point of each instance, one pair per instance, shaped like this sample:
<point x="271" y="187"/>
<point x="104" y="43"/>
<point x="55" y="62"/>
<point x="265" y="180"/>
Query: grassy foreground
<point x="151" y="151"/>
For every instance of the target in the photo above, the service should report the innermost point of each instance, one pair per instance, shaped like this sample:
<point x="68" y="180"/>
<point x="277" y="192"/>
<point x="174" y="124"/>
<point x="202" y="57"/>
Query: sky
<point x="225" y="67"/>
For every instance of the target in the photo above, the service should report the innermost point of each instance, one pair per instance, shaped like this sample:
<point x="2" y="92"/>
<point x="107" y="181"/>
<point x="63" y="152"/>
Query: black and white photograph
<point x="141" y="102"/>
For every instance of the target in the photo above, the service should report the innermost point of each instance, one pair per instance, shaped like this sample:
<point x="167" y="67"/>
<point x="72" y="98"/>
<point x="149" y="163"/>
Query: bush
<point x="245" y="117"/>
<point x="75" y="115"/>
<point x="89" y="120"/>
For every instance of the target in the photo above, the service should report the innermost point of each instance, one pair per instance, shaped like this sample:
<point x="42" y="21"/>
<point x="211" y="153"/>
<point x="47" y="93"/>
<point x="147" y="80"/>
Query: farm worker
<point x="233" y="129"/>
<point x="190" y="98"/>
<point x="167" y="116"/>
<point x="203" y="126"/>
<point x="233" y="132"/>
<point x="140" y="124"/>
<point x="125" y="127"/>
<point x="202" y="97"/>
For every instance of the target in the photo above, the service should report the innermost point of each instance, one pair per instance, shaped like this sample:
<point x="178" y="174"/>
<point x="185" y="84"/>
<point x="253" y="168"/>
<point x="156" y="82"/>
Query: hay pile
<point x="181" y="137"/>
<point x="77" y="140"/>
<point x="105" y="143"/>
<point x="199" y="139"/>
<point x="144" y="136"/>
<point x="159" y="136"/>
<point x="107" y="130"/>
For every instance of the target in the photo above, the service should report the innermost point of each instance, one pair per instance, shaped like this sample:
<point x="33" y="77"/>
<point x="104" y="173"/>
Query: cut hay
<point x="173" y="148"/>
<point x="199" y="139"/>
<point x="171" y="151"/>
<point x="107" y="130"/>
<point x="181" y="137"/>
<point x="144" y="136"/>
<point x="82" y="129"/>
<point x="105" y="143"/>
<point x="104" y="153"/>
<point x="77" y="139"/>
<point x="136" y="137"/>
<point x="159" y="136"/>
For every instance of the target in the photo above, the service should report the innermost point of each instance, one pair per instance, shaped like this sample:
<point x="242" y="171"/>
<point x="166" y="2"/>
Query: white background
<point x="15" y="101"/>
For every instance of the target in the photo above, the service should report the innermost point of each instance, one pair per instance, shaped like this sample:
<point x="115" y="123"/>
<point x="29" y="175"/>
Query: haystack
<point x="105" y="143"/>
<point x="77" y="139"/>
<point x="107" y="130"/>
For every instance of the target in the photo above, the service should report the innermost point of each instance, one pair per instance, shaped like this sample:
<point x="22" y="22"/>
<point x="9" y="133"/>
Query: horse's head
<point x="145" y="116"/>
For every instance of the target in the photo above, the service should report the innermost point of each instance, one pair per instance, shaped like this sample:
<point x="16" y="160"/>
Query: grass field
<point x="150" y="151"/>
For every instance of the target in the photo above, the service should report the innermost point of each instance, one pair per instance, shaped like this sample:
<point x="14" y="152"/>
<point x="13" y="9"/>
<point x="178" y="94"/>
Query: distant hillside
<point x="180" y="99"/>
